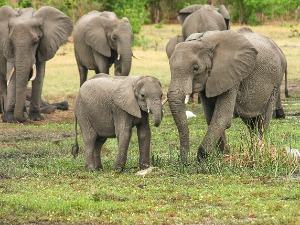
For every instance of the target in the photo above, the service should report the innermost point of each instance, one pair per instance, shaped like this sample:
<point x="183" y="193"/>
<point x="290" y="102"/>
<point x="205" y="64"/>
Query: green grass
<point x="258" y="183"/>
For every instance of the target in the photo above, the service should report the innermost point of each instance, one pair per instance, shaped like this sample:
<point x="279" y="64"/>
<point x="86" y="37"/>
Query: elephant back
<point x="202" y="20"/>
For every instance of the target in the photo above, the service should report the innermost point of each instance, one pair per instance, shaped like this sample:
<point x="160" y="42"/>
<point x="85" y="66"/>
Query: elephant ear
<point x="223" y="11"/>
<point x="194" y="37"/>
<point x="95" y="35"/>
<point x="6" y="12"/>
<point x="57" y="27"/>
<point x="185" y="12"/>
<point x="233" y="60"/>
<point x="124" y="97"/>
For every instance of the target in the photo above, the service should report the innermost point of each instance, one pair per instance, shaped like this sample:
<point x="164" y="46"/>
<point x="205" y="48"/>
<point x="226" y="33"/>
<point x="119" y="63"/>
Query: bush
<point x="134" y="10"/>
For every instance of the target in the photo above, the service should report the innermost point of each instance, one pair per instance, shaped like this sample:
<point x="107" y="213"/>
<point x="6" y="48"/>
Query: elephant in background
<point x="198" y="19"/>
<point x="170" y="47"/>
<point x="236" y="73"/>
<point x="45" y="107"/>
<point x="101" y="39"/>
<point x="185" y="12"/>
<point x="110" y="106"/>
<point x="28" y="38"/>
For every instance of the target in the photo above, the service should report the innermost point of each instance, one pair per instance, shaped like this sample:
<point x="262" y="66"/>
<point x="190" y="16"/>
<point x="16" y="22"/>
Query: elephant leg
<point x="3" y="91"/>
<point x="267" y="115"/>
<point x="219" y="121"/>
<point x="144" y="138"/>
<point x="102" y="64"/>
<point x="90" y="144"/>
<point x="279" y="112"/>
<point x="8" y="116"/>
<point x="83" y="71"/>
<point x="37" y="86"/>
<point x="61" y="105"/>
<point x="48" y="109"/>
<point x="97" y="153"/>
<point x="254" y="125"/>
<point x="124" y="132"/>
<point x="209" y="107"/>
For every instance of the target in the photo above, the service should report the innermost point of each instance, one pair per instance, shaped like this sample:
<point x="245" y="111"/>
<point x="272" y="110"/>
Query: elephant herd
<point x="235" y="73"/>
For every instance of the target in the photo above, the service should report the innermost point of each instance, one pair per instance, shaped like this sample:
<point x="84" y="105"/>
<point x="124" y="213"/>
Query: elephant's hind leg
<point x="255" y="125"/>
<point x="97" y="152"/>
<point x="90" y="143"/>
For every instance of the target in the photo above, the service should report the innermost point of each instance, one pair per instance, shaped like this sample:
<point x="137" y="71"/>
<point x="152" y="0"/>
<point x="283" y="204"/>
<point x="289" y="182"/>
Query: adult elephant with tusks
<point x="236" y="73"/>
<point x="100" y="40"/>
<point x="28" y="39"/>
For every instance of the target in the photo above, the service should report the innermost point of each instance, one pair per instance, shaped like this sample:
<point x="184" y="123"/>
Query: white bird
<point x="293" y="151"/>
<point x="145" y="171"/>
<point x="189" y="114"/>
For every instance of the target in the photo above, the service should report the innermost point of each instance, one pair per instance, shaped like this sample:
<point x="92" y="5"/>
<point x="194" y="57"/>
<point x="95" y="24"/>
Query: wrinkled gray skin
<point x="198" y="19"/>
<point x="235" y="73"/>
<point x="207" y="18"/>
<point x="110" y="106"/>
<point x="185" y="12"/>
<point x="27" y="38"/>
<point x="279" y="112"/>
<point x="99" y="39"/>
<point x="170" y="47"/>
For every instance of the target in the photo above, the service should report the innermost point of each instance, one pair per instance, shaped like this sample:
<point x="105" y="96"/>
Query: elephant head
<point x="140" y="93"/>
<point x="30" y="38"/>
<point x="110" y="36"/>
<point x="210" y="63"/>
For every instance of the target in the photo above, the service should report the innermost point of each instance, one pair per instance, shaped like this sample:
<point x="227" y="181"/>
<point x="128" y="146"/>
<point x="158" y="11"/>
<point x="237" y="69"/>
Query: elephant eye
<point x="143" y="96"/>
<point x="113" y="37"/>
<point x="196" y="68"/>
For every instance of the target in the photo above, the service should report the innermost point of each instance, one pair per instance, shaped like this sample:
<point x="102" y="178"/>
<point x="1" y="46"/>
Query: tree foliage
<point x="156" y="11"/>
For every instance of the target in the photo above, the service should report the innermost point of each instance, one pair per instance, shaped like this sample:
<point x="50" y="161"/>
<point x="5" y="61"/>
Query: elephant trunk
<point x="176" y="100"/>
<point x="157" y="112"/>
<point x="125" y="54"/>
<point x="23" y="70"/>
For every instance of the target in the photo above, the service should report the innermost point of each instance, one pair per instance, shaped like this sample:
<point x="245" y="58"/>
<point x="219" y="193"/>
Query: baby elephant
<point x="108" y="107"/>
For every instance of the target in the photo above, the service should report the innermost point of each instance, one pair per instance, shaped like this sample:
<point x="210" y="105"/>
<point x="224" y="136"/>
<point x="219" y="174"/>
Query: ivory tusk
<point x="119" y="56"/>
<point x="10" y="76"/>
<point x="134" y="56"/>
<point x="148" y="111"/>
<point x="33" y="72"/>
<point x="186" y="100"/>
<point x="165" y="101"/>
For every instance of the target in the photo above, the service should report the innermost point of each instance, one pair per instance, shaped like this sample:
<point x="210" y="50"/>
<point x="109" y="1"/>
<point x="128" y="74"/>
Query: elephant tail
<point x="75" y="147"/>
<point x="286" y="91"/>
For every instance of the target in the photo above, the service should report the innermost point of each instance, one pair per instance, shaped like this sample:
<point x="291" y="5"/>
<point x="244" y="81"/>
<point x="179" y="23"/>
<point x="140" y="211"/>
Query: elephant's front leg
<point x="220" y="121"/>
<point x="37" y="85"/>
<point x="144" y="137"/>
<point x="123" y="132"/>
<point x="8" y="116"/>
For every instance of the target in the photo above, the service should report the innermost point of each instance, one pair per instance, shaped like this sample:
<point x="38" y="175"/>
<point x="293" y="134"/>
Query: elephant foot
<point x="202" y="154"/>
<point x="279" y="114"/>
<point x="90" y="168"/>
<point x="8" y="118"/>
<point x="35" y="116"/>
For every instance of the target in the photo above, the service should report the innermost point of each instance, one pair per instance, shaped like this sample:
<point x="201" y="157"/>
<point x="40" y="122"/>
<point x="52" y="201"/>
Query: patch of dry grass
<point x="62" y="77"/>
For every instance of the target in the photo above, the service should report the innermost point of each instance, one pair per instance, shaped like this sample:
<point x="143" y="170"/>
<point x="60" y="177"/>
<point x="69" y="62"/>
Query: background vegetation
<point x="258" y="183"/>
<point x="139" y="12"/>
